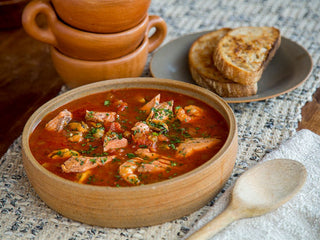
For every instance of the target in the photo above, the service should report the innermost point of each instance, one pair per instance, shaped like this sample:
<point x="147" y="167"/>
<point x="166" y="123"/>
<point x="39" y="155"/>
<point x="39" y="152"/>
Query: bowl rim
<point x="138" y="50"/>
<point x="142" y="24"/>
<point x="92" y="88"/>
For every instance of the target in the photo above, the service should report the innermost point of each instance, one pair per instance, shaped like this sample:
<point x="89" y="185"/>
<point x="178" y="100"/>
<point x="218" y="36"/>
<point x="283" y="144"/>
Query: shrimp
<point x="189" y="113"/>
<point x="59" y="122"/>
<point x="127" y="171"/>
<point x="130" y="169"/>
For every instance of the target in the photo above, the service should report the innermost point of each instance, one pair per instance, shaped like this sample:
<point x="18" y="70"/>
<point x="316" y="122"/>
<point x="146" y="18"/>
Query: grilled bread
<point x="205" y="73"/>
<point x="243" y="53"/>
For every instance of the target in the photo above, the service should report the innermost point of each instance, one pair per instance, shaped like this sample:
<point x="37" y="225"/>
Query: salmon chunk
<point x="156" y="166"/>
<point x="81" y="163"/>
<point x="129" y="170"/>
<point x="140" y="127"/>
<point x="121" y="105"/>
<point x="100" y="116"/>
<point x="159" y="115"/>
<point x="151" y="104"/>
<point x="116" y="127"/>
<point x="157" y="163"/>
<point x="190" y="146"/>
<point x="145" y="153"/>
<point x="59" y="122"/>
<point x="114" y="141"/>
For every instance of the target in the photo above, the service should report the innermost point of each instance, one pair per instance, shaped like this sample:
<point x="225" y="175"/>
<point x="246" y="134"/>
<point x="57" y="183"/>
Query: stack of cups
<point x="94" y="40"/>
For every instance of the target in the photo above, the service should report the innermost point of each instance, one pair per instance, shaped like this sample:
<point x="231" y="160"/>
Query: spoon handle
<point x="215" y="225"/>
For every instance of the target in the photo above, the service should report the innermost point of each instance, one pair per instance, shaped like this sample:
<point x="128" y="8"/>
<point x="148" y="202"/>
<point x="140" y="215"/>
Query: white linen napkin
<point x="297" y="219"/>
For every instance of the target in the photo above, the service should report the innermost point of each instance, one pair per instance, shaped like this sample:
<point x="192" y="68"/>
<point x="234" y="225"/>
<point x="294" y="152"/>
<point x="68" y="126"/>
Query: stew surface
<point x="128" y="137"/>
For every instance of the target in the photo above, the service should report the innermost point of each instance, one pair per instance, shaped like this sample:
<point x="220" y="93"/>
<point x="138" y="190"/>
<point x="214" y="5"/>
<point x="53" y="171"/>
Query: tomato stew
<point x="128" y="137"/>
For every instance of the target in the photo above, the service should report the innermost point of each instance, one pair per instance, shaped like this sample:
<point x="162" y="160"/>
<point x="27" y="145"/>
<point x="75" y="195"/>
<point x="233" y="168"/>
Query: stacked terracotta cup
<point x="94" y="40"/>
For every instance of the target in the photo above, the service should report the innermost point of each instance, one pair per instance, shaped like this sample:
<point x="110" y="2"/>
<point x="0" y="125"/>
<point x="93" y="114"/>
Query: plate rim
<point x="241" y="99"/>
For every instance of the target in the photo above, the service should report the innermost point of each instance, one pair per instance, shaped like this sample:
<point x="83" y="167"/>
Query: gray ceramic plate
<point x="289" y="68"/>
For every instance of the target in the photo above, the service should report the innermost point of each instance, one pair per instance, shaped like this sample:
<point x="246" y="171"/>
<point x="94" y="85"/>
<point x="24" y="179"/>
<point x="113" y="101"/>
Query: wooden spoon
<point x="260" y="190"/>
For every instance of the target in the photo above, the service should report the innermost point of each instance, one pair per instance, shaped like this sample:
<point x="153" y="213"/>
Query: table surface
<point x="28" y="79"/>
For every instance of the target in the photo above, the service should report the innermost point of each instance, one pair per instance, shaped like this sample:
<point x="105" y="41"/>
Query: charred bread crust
<point x="243" y="53"/>
<point x="224" y="89"/>
<point x="204" y="72"/>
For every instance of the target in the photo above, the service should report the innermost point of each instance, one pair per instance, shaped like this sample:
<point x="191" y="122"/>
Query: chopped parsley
<point x="131" y="155"/>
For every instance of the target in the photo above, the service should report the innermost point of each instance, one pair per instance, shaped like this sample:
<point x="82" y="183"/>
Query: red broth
<point x="208" y="125"/>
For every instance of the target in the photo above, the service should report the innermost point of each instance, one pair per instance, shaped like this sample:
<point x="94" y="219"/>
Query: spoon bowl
<point x="260" y="190"/>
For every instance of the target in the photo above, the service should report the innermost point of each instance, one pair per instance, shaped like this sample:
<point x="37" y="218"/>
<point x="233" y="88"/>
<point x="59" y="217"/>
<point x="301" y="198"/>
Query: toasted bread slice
<point x="207" y="75"/>
<point x="244" y="52"/>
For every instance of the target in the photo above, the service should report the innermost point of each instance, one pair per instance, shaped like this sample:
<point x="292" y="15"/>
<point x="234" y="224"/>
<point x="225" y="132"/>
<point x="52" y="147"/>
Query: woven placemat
<point x="262" y="125"/>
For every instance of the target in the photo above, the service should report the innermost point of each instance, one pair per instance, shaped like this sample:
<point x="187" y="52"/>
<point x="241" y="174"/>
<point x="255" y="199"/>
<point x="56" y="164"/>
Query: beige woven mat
<point x="262" y="125"/>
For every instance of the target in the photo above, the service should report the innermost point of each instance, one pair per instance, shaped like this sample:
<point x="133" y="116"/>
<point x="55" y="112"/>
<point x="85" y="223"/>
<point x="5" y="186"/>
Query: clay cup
<point x="102" y="16"/>
<point x="85" y="45"/>
<point x="77" y="72"/>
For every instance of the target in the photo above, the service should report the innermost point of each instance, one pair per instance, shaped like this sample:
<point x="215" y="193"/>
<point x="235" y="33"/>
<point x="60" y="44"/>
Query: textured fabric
<point x="299" y="218"/>
<point x="262" y="125"/>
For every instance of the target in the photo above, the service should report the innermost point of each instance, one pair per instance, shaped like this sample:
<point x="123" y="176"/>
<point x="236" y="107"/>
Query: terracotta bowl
<point x="141" y="205"/>
<point x="75" y="72"/>
<point x="85" y="45"/>
<point x="102" y="16"/>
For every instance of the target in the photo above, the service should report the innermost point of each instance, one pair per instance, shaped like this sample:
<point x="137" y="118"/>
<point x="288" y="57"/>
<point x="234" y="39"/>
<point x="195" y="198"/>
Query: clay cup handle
<point x="29" y="15"/>
<point x="160" y="32"/>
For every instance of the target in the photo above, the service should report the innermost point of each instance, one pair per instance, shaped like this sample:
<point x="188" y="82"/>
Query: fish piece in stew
<point x="151" y="104"/>
<point x="130" y="170"/>
<point x="121" y="105"/>
<point x="82" y="163"/>
<point x="113" y="141"/>
<point x="145" y="153"/>
<point x="59" y="122"/>
<point x="159" y="115"/>
<point x="100" y="116"/>
<point x="142" y="135"/>
<point x="192" y="145"/>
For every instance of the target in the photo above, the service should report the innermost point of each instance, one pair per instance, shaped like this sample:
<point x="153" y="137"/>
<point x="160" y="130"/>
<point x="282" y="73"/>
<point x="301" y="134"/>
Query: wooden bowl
<point x="102" y="16"/>
<point x="141" y="205"/>
<point x="76" y="72"/>
<point x="86" y="45"/>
